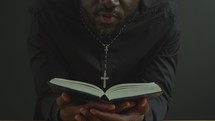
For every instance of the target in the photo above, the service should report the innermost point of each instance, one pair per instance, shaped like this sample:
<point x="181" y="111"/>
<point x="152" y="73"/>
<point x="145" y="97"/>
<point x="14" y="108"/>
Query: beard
<point x="104" y="32"/>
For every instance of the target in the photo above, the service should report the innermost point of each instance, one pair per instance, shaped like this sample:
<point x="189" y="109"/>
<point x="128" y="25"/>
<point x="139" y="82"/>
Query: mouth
<point x="107" y="18"/>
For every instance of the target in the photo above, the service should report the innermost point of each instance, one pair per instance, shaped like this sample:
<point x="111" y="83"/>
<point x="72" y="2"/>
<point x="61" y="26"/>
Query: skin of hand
<point x="70" y="109"/>
<point x="127" y="111"/>
<point x="96" y="111"/>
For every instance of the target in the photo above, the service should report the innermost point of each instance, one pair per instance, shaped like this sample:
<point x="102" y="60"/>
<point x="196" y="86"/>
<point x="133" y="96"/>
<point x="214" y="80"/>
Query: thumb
<point x="63" y="100"/>
<point x="143" y="105"/>
<point x="66" y="97"/>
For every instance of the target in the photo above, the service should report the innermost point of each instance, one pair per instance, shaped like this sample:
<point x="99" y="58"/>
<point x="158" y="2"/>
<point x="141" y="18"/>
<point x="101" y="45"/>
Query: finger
<point x="79" y="117"/>
<point x="60" y="102"/>
<point x="88" y="115"/>
<point x="132" y="104"/>
<point x="142" y="101"/>
<point x="142" y="106"/>
<point x="63" y="100"/>
<point x="100" y="106"/>
<point x="105" y="116"/>
<point x="124" y="106"/>
<point x="66" y="97"/>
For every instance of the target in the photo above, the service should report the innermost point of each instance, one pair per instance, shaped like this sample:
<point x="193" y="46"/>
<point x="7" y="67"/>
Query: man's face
<point x="107" y="15"/>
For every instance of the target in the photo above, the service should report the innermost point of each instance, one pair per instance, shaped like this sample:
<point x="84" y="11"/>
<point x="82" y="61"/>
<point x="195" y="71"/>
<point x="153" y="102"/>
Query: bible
<point x="119" y="92"/>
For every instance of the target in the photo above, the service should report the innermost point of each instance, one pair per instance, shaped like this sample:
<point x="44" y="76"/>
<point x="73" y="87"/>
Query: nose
<point x="109" y="3"/>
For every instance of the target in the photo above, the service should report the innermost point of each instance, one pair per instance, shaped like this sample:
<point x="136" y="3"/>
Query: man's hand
<point x="70" y="110"/>
<point x="127" y="111"/>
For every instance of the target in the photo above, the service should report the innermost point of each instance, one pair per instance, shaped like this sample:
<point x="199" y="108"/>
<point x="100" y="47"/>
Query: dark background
<point x="194" y="89"/>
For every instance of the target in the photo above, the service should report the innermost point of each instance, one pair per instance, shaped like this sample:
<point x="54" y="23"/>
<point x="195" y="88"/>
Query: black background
<point x="194" y="89"/>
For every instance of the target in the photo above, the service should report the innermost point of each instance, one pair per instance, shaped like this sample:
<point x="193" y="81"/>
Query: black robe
<point x="61" y="46"/>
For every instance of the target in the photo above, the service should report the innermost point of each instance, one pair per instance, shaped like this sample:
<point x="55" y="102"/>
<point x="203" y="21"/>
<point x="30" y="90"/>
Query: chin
<point x="107" y="28"/>
<point x="104" y="31"/>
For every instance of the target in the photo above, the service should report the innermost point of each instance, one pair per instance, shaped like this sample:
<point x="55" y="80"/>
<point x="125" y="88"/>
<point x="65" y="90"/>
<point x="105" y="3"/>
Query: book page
<point x="78" y="86"/>
<point x="131" y="90"/>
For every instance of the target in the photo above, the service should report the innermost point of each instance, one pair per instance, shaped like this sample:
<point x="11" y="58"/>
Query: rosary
<point x="105" y="76"/>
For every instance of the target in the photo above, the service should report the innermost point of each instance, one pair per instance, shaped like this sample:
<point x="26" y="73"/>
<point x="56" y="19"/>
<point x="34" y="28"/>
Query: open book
<point x="118" y="92"/>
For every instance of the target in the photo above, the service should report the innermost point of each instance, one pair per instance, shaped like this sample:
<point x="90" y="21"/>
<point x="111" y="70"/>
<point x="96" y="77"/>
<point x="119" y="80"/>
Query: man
<point x="103" y="42"/>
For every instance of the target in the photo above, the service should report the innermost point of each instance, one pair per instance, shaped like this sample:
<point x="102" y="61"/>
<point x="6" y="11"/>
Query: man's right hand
<point x="70" y="109"/>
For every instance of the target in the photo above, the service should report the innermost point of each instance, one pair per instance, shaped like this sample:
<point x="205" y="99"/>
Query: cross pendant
<point x="104" y="78"/>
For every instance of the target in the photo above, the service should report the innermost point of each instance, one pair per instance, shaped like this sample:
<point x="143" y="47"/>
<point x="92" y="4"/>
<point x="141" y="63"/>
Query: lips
<point x="107" y="18"/>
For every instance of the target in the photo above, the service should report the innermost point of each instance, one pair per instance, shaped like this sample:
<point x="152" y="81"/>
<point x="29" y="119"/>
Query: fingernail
<point x="127" y="104"/>
<point x="77" y="117"/>
<point x="111" y="107"/>
<point x="93" y="111"/>
<point x="82" y="110"/>
<point x="65" y="97"/>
